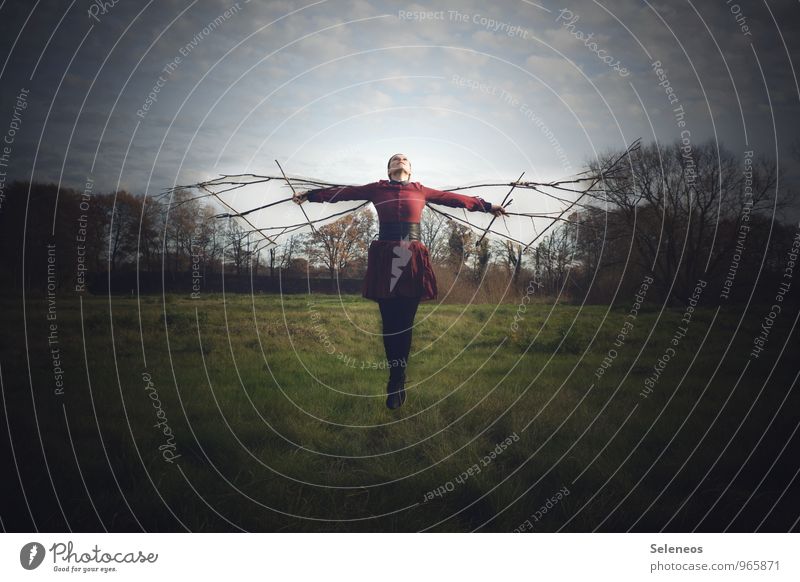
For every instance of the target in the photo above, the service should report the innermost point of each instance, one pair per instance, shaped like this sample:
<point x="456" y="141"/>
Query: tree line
<point x="678" y="218"/>
<point x="121" y="232"/>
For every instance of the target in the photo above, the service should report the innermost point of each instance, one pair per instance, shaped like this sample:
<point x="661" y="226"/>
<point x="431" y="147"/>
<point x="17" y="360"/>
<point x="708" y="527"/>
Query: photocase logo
<point x="402" y="254"/>
<point x="31" y="555"/>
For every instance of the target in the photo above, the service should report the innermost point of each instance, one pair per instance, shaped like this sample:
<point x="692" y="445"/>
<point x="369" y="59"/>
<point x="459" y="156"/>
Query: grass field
<point x="267" y="413"/>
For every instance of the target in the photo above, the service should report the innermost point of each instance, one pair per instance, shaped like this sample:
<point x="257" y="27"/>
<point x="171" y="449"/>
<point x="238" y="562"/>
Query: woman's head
<point x="399" y="167"/>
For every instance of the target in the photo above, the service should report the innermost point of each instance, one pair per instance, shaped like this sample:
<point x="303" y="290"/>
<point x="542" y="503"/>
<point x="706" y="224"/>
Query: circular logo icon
<point x="31" y="555"/>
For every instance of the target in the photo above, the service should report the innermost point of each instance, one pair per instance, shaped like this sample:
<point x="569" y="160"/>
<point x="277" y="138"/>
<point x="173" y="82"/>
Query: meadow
<point x="266" y="413"/>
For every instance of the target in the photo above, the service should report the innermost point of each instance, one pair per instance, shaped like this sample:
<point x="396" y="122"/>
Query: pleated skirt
<point x="399" y="269"/>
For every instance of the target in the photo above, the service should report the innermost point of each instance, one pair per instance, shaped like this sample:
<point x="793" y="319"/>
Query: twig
<point x="295" y="194"/>
<point x="503" y="204"/>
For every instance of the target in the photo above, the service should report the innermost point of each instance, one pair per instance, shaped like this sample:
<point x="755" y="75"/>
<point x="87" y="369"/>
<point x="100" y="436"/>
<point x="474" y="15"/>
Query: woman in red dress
<point x="399" y="272"/>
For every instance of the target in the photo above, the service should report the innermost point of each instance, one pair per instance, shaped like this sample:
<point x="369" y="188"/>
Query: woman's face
<point x="399" y="162"/>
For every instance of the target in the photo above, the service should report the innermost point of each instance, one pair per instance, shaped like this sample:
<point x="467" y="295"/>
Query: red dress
<point x="399" y="268"/>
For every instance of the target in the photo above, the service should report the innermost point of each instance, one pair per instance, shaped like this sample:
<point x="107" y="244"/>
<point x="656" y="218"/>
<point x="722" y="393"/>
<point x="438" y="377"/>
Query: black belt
<point x="399" y="231"/>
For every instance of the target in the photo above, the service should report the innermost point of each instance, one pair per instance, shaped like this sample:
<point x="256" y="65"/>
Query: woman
<point x="399" y="272"/>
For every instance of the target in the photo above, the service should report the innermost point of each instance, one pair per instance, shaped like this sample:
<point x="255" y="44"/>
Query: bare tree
<point x="123" y="229"/>
<point x="678" y="207"/>
<point x="238" y="246"/>
<point x="509" y="257"/>
<point x="281" y="256"/>
<point x="339" y="245"/>
<point x="554" y="258"/>
<point x="433" y="233"/>
<point x="149" y="243"/>
<point x="180" y="224"/>
<point x="206" y="241"/>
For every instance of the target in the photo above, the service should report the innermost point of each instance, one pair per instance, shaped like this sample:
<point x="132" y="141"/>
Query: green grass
<point x="272" y="429"/>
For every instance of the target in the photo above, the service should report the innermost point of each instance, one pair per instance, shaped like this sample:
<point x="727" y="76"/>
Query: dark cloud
<point x="94" y="78"/>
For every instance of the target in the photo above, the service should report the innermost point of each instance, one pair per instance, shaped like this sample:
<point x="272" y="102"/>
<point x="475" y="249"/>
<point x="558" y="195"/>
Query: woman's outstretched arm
<point x="471" y="203"/>
<point x="338" y="193"/>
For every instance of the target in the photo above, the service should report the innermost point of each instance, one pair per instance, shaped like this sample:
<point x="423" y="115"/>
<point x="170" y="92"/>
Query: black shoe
<point x="396" y="393"/>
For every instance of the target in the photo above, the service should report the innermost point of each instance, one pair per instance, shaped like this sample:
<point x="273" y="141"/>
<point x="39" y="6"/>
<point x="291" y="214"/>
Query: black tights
<point x="398" y="321"/>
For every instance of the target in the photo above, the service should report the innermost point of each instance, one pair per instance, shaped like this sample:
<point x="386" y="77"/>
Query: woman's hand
<point x="498" y="210"/>
<point x="300" y="197"/>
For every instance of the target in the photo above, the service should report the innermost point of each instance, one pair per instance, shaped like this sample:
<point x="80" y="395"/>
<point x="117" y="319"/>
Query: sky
<point x="145" y="95"/>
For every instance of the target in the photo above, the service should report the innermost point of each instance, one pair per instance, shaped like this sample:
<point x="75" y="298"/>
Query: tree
<point x="182" y="219"/>
<point x="238" y="246"/>
<point x="281" y="256"/>
<point x="433" y="234"/>
<point x="509" y="256"/>
<point x="149" y="241"/>
<point x="482" y="256"/>
<point x="340" y="244"/>
<point x="678" y="207"/>
<point x="460" y="244"/>
<point x="123" y="229"/>
<point x="554" y="258"/>
<point x="206" y="241"/>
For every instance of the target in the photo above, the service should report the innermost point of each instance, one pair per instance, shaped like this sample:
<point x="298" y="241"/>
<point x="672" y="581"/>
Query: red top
<point x="399" y="202"/>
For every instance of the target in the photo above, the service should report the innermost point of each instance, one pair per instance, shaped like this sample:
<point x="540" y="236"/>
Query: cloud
<point x="248" y="125"/>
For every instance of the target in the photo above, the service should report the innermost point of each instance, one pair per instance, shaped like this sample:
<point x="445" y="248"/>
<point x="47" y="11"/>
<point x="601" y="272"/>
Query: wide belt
<point x="399" y="231"/>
